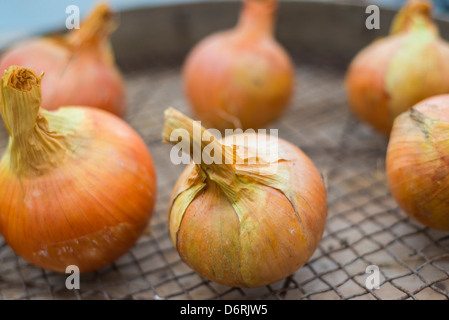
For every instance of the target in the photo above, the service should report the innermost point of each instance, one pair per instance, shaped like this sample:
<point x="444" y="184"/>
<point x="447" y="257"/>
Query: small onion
<point x="77" y="185"/>
<point x="396" y="72"/>
<point x="240" y="78"/>
<point x="417" y="162"/>
<point x="253" y="219"/>
<point x="79" y="67"/>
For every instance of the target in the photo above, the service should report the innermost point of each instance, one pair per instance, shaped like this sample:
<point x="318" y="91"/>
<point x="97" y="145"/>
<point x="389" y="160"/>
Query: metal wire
<point x="364" y="227"/>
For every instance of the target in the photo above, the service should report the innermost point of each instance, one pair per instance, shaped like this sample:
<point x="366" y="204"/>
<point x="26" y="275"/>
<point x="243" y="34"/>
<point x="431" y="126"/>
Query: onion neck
<point x="95" y="30"/>
<point x="33" y="148"/>
<point x="178" y="125"/>
<point x="258" y="17"/>
<point x="415" y="14"/>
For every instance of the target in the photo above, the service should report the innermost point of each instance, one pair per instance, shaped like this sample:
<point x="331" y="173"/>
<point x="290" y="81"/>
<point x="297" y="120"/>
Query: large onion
<point x="396" y="72"/>
<point x="79" y="67"/>
<point x="244" y="214"/>
<point x="241" y="77"/>
<point x="417" y="162"/>
<point x="77" y="186"/>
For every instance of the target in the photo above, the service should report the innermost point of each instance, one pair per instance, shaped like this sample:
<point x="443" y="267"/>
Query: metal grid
<point x="364" y="225"/>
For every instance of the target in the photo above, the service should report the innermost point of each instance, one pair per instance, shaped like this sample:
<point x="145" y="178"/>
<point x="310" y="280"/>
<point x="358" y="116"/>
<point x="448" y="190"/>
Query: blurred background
<point x="19" y="19"/>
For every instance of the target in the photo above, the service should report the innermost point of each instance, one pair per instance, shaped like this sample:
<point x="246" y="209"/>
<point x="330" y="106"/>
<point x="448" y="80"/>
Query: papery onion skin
<point x="258" y="235"/>
<point x="240" y="78"/>
<point x="394" y="73"/>
<point x="80" y="68"/>
<point x="417" y="162"/>
<point x="88" y="202"/>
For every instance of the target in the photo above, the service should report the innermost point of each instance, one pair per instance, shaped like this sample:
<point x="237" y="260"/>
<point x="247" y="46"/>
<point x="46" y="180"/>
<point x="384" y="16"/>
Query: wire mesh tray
<point x="364" y="227"/>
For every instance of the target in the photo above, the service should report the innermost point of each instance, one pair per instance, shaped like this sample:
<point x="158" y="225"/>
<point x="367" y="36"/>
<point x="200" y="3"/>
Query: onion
<point x="77" y="185"/>
<point x="240" y="78"/>
<point x="394" y="73"/>
<point x="79" y="67"/>
<point x="417" y="162"/>
<point x="253" y="219"/>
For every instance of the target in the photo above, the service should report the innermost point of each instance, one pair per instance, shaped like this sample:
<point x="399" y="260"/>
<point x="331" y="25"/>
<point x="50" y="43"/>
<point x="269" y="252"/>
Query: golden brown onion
<point x="417" y="162"/>
<point x="79" y="67"/>
<point x="77" y="186"/>
<point x="253" y="219"/>
<point x="396" y="72"/>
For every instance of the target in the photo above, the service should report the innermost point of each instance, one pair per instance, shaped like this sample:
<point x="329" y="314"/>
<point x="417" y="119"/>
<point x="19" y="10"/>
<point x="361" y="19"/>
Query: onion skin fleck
<point x="244" y="229"/>
<point x="79" y="67"/>
<point x="240" y="78"/>
<point x="394" y="73"/>
<point x="80" y="192"/>
<point x="417" y="162"/>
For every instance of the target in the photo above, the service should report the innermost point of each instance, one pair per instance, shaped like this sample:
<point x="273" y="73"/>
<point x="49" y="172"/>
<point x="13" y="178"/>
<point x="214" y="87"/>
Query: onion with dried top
<point x="240" y="78"/>
<point x="77" y="185"/>
<point x="244" y="214"/>
<point x="79" y="67"/>
<point x="396" y="72"/>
